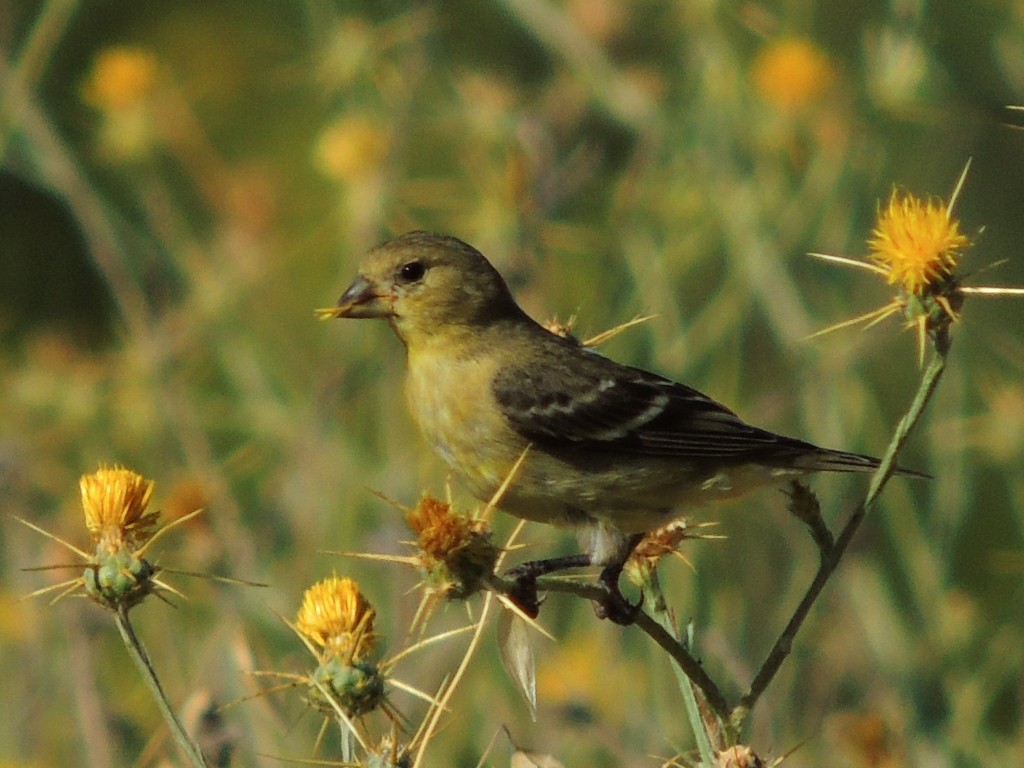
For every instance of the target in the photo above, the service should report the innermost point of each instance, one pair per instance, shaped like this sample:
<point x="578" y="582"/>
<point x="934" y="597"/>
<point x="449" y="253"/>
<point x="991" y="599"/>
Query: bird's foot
<point x="523" y="595"/>
<point x="615" y="607"/>
<point x="524" y="580"/>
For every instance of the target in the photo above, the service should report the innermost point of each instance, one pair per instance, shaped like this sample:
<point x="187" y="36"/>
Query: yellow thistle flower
<point x="917" y="243"/>
<point x="337" y="617"/>
<point x="117" y="574"/>
<point x="439" y="528"/>
<point x="115" y="501"/>
<point x="335" y="622"/>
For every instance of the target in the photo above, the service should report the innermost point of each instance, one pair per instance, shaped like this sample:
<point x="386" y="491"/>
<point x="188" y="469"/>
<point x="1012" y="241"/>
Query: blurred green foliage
<point x="182" y="183"/>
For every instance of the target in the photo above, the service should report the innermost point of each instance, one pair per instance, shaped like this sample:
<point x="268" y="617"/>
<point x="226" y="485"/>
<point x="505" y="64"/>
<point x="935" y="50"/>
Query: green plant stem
<point x="131" y="641"/>
<point x="702" y="730"/>
<point x="831" y="557"/>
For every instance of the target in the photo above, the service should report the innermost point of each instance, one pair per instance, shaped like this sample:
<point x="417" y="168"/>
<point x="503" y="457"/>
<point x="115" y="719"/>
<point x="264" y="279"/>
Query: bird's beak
<point x="361" y="299"/>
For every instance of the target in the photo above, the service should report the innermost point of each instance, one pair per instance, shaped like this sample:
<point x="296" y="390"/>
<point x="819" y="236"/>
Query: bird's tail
<point x="825" y="460"/>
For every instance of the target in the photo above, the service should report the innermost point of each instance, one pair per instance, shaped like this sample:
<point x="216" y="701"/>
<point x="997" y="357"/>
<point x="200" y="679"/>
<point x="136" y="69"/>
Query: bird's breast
<point x="451" y="401"/>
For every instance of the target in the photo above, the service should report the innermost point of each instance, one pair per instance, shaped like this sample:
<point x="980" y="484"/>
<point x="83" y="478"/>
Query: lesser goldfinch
<point x="613" y="449"/>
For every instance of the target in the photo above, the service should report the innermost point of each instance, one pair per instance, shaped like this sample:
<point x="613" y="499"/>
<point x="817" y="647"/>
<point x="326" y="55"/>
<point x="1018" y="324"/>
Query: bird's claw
<point x="523" y="593"/>
<point x="612" y="606"/>
<point x="616" y="608"/>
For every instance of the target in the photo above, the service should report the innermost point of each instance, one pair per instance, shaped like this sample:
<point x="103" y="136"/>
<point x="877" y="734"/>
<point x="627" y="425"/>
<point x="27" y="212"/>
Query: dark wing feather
<point x="564" y="397"/>
<point x="573" y="398"/>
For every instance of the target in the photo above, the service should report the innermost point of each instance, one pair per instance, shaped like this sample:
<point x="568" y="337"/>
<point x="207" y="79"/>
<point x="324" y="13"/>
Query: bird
<point x="611" y="450"/>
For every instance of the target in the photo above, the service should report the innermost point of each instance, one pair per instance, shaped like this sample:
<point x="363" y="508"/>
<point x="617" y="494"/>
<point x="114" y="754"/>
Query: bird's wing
<point x="573" y="398"/>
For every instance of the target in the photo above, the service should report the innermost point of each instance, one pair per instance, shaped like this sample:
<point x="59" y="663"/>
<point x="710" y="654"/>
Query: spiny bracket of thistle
<point x="642" y="563"/>
<point x="742" y="756"/>
<point x="115" y="503"/>
<point x="663" y="541"/>
<point x="117" y="574"/>
<point x="335" y="622"/>
<point x="457" y="553"/>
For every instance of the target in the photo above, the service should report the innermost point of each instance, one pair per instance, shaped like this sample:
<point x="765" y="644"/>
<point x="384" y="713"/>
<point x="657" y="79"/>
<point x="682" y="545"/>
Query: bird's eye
<point x="412" y="272"/>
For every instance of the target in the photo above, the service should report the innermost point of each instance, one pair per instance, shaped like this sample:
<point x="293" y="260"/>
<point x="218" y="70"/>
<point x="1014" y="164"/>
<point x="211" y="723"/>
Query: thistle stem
<point x="831" y="557"/>
<point x="138" y="654"/>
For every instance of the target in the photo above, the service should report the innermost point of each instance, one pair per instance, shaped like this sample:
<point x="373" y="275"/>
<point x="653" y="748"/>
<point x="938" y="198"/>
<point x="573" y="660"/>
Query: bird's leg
<point x="524" y="590"/>
<point x="535" y="568"/>
<point x="615" y="607"/>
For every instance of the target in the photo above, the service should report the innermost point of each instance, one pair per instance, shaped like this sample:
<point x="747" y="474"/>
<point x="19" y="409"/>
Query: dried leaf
<point x="517" y="656"/>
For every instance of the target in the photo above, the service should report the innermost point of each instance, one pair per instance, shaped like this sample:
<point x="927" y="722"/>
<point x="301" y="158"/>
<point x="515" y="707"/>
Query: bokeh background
<point x="183" y="182"/>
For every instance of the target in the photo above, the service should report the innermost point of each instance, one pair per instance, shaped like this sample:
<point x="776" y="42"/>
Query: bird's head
<point x="422" y="282"/>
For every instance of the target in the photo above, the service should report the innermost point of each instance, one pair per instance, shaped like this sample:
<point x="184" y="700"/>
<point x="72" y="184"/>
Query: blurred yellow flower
<point x="115" y="501"/>
<point x="599" y="19"/>
<point x="917" y="243"/>
<point x="351" y="148"/>
<point x="791" y="72"/>
<point x="337" y="617"/>
<point x="579" y="680"/>
<point x="17" y="620"/>
<point x="121" y="78"/>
